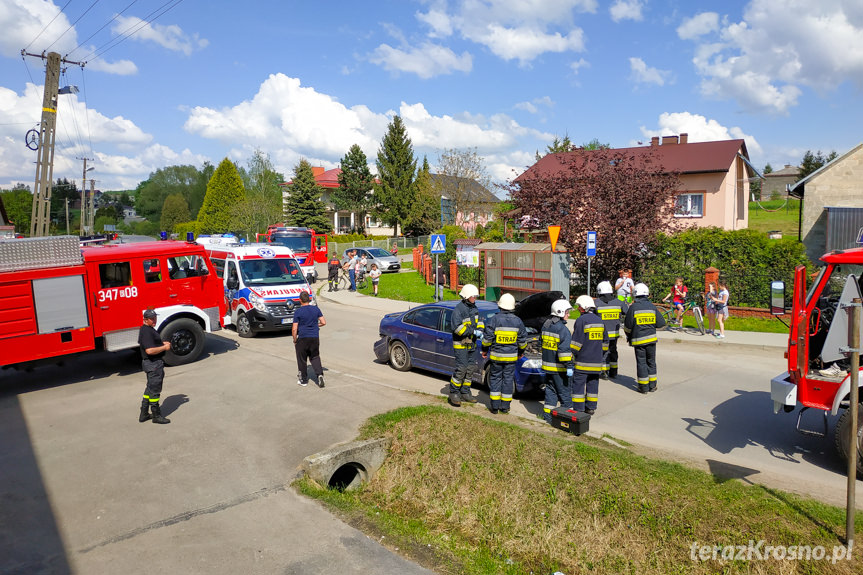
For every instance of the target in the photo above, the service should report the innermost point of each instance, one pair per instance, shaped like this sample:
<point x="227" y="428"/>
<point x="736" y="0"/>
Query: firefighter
<point x="589" y="344"/>
<point x="152" y="351"/>
<point x="611" y="310"/>
<point x="503" y="342"/>
<point x="333" y="267"/>
<point x="466" y="325"/>
<point x="556" y="358"/>
<point x="640" y="325"/>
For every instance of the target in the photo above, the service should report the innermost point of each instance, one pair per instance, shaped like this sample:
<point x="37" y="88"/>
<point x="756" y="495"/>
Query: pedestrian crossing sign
<point x="438" y="243"/>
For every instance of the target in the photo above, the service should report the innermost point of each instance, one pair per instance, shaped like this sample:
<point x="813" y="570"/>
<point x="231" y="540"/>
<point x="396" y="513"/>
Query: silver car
<point x="385" y="261"/>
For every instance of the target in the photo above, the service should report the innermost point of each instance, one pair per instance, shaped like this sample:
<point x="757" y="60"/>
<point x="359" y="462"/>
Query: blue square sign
<point x="591" y="244"/>
<point x="438" y="243"/>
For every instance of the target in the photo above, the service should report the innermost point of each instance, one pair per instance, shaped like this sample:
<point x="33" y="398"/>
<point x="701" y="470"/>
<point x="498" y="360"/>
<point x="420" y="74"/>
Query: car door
<point x="445" y="353"/>
<point x="421" y="331"/>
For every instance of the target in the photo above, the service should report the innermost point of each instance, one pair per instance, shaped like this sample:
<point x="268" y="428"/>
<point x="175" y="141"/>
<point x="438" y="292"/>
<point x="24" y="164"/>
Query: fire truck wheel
<point x="841" y="439"/>
<point x="244" y="326"/>
<point x="187" y="341"/>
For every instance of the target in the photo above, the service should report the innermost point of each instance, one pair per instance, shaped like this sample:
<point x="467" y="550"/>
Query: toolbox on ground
<point x="575" y="422"/>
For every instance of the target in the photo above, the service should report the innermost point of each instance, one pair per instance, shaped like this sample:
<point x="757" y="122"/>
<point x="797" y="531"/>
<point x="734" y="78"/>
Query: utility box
<point x="523" y="269"/>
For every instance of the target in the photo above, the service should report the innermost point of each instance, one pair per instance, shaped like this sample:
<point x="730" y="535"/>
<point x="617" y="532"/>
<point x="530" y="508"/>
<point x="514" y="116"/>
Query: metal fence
<point x="402" y="242"/>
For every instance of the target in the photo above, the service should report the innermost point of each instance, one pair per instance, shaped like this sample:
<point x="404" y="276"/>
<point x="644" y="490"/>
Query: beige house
<point x="714" y="177"/>
<point x="831" y="213"/>
<point x="775" y="184"/>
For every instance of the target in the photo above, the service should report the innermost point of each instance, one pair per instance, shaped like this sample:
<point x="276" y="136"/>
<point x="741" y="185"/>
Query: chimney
<point x="317" y="171"/>
<point x="684" y="138"/>
<point x="667" y="140"/>
<point x="654" y="141"/>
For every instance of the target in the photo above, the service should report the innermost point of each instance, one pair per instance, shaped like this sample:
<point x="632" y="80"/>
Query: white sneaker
<point x="832" y="371"/>
<point x="300" y="380"/>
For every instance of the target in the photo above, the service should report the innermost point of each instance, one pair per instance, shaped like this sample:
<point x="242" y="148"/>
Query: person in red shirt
<point x="678" y="294"/>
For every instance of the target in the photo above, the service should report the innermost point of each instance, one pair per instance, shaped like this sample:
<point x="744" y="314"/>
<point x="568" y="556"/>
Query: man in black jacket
<point x="640" y="325"/>
<point x="152" y="351"/>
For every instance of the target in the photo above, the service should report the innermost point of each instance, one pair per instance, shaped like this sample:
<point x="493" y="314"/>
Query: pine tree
<point x="395" y="195"/>
<point x="175" y="210"/>
<point x="355" y="184"/>
<point x="425" y="216"/>
<point x="303" y="206"/>
<point x="224" y="191"/>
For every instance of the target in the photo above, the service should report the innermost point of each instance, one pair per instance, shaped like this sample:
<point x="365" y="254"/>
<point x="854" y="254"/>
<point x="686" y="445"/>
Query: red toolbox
<point x="576" y="422"/>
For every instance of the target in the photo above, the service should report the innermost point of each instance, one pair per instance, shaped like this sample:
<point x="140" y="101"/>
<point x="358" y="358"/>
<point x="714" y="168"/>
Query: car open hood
<point x="536" y="308"/>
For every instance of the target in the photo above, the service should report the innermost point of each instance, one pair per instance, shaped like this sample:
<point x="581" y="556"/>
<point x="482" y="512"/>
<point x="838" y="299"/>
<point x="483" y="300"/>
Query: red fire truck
<point x="58" y="299"/>
<point x="817" y="353"/>
<point x="308" y="246"/>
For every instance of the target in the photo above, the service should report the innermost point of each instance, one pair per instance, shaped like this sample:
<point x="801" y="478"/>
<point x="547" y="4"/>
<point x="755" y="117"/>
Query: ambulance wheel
<point x="400" y="358"/>
<point x="843" y="426"/>
<point x="187" y="341"/>
<point x="244" y="327"/>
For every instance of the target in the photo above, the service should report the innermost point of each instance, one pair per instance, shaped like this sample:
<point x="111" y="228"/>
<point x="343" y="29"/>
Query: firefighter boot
<point x="157" y="414"/>
<point x="145" y="411"/>
<point x="454" y="399"/>
<point x="466" y="396"/>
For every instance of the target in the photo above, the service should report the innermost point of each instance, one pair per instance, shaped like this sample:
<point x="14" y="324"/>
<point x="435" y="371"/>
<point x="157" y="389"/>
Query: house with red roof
<point x="714" y="177"/>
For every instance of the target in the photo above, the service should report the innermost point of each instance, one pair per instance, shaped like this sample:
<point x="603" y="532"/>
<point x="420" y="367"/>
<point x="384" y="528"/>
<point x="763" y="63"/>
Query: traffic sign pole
<point x="591" y="252"/>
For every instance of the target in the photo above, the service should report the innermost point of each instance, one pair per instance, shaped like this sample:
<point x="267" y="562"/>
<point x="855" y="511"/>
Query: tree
<point x="263" y="203"/>
<point x="175" y="211"/>
<point x="395" y="194"/>
<point x="303" y="206"/>
<point x="224" y="191"/>
<point x="595" y="144"/>
<point x="557" y="145"/>
<point x="184" y="180"/>
<point x="624" y="195"/>
<point x="355" y="186"/>
<point x="812" y="162"/>
<point x="425" y="215"/>
<point x="462" y="179"/>
<point x="19" y="204"/>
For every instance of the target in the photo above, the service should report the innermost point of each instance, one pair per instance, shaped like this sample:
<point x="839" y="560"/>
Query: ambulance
<point x="262" y="282"/>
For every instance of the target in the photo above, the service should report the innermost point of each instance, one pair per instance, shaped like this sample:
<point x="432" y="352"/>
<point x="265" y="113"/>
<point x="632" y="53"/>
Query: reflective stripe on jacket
<point x="611" y="313"/>
<point x="641" y="322"/>
<point x="589" y="341"/>
<point x="556" y="350"/>
<point x="504" y="337"/>
<point x="464" y="321"/>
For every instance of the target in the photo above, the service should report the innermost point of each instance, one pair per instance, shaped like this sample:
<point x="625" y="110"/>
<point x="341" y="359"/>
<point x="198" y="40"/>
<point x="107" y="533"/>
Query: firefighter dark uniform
<point x="556" y="360"/>
<point x="640" y="325"/>
<point x="154" y="366"/>
<point x="333" y="267"/>
<point x="504" y="340"/>
<point x="611" y="311"/>
<point x="466" y="325"/>
<point x="589" y="344"/>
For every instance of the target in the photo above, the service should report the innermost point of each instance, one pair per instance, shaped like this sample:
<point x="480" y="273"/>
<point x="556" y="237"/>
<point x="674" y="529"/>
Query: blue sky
<point x="206" y="80"/>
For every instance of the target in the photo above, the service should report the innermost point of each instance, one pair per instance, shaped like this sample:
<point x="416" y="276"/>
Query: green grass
<point x="462" y="493"/>
<point x="784" y="219"/>
<point x="406" y="287"/>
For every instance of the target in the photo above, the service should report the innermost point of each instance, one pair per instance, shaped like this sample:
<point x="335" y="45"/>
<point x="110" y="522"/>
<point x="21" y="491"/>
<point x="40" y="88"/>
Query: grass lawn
<point x="782" y="217"/>
<point x="467" y="494"/>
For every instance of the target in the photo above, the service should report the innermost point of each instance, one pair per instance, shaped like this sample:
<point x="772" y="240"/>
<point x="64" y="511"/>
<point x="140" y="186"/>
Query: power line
<point x="103" y="26"/>
<point x="86" y="115"/>
<point x="72" y="24"/>
<point x="133" y="29"/>
<point x="47" y="25"/>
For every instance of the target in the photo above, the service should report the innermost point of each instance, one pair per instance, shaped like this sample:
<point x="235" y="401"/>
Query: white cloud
<point x="120" y="67"/>
<point x="531" y="106"/>
<point x="525" y="43"/>
<point x="698" y="25"/>
<point x="170" y="37"/>
<point x="700" y="129"/>
<point x="644" y="74"/>
<point x="438" y="22"/>
<point x="780" y="46"/>
<point x="22" y="21"/>
<point x="578" y="65"/>
<point x="426" y="61"/>
<point x="626" y="10"/>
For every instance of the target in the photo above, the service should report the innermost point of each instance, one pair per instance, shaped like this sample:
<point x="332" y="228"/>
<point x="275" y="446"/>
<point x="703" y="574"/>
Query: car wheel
<point x="400" y="358"/>
<point x="244" y="326"/>
<point x="187" y="341"/>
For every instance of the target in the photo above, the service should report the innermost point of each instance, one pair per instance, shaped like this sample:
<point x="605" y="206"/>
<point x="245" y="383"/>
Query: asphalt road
<point x="85" y="488"/>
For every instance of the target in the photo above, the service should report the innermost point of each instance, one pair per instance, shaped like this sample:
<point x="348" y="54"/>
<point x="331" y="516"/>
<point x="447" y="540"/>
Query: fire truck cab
<point x="262" y="284"/>
<point x="57" y="298"/>
<point x="309" y="247"/>
<point x="818" y="338"/>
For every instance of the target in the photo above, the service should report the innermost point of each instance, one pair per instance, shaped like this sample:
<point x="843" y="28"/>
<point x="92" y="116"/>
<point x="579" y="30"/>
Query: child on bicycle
<point x="678" y="294"/>
<point x="375" y="274"/>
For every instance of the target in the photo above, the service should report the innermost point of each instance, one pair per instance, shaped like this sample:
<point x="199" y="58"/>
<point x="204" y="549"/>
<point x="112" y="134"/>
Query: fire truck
<point x="262" y="283"/>
<point x="818" y="339"/>
<point x="58" y="298"/>
<point x="308" y="246"/>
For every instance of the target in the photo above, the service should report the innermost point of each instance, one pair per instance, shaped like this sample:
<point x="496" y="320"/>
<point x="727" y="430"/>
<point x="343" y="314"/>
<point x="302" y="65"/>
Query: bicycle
<point x="344" y="281"/>
<point x="691" y="304"/>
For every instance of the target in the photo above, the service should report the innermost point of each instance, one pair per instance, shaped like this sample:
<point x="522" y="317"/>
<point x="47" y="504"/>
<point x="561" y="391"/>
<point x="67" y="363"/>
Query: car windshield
<point x="300" y="244"/>
<point x="379" y="253"/>
<point x="271" y="272"/>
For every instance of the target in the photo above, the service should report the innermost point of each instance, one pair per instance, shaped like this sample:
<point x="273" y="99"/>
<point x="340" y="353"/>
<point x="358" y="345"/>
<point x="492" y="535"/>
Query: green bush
<point x="746" y="259"/>
<point x="345" y="238"/>
<point x="181" y="228"/>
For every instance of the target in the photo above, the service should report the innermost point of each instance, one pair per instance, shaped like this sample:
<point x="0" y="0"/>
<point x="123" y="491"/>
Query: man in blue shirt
<point x="308" y="320"/>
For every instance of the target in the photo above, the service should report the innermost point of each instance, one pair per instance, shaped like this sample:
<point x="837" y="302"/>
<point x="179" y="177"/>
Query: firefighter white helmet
<point x="506" y="302"/>
<point x="641" y="290"/>
<point x="468" y="291"/>
<point x="604" y="288"/>
<point x="585" y="302"/>
<point x="560" y="308"/>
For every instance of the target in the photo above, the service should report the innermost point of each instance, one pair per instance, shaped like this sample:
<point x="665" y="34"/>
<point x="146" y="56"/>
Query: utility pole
<point x="92" y="211"/>
<point x="85" y="216"/>
<point x="67" y="215"/>
<point x="40" y="217"/>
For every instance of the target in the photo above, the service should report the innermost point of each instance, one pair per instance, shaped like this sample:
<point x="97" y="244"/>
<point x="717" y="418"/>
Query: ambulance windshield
<point x="276" y="271"/>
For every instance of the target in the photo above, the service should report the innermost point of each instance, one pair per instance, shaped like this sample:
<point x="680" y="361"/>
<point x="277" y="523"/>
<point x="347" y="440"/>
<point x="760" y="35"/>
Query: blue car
<point x="421" y="338"/>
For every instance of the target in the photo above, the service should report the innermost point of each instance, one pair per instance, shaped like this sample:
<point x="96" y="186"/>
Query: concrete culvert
<point x="348" y="465"/>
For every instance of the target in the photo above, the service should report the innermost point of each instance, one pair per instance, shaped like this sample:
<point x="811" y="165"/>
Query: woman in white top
<point x="720" y="306"/>
<point x="624" y="285"/>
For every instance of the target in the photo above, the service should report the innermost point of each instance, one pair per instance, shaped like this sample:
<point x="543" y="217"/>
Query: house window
<point x="689" y="206"/>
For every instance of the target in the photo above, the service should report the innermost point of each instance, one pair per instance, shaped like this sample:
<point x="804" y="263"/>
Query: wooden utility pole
<point x="40" y="217"/>
<point x="91" y="212"/>
<point x="85" y="205"/>
<point x="67" y="215"/>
